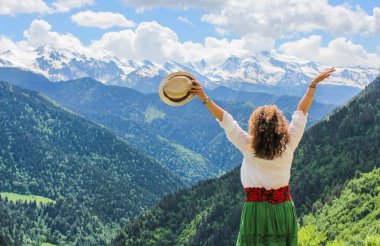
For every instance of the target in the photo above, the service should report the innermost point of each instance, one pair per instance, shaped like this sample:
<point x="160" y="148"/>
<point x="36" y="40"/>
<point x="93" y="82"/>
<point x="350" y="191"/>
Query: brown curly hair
<point x="269" y="130"/>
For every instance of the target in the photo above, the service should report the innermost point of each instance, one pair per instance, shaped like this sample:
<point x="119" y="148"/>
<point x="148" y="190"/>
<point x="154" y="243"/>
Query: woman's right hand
<point x="320" y="77"/>
<point x="197" y="89"/>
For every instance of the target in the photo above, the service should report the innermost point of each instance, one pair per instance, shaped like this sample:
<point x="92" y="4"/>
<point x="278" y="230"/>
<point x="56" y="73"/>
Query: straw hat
<point x="174" y="88"/>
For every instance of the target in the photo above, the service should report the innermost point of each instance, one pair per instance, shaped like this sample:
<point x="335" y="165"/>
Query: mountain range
<point x="263" y="72"/>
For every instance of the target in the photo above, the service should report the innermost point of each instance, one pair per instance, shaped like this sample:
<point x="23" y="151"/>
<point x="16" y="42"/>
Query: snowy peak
<point x="265" y="68"/>
<point x="49" y="52"/>
<point x="231" y="64"/>
<point x="271" y="69"/>
<point x="5" y="63"/>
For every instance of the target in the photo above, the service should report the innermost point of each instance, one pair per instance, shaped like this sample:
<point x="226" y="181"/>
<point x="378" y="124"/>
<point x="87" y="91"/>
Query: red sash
<point x="274" y="196"/>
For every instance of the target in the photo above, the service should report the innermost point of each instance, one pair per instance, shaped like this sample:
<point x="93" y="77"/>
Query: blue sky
<point x="317" y="30"/>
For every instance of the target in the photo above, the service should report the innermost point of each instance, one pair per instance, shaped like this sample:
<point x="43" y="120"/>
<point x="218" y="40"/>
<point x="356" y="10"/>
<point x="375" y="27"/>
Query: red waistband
<point x="274" y="196"/>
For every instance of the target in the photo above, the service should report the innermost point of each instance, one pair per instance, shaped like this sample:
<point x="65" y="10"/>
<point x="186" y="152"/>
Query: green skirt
<point x="263" y="223"/>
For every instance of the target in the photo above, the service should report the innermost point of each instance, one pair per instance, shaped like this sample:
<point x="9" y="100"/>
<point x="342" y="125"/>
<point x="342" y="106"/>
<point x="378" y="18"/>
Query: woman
<point x="268" y="215"/>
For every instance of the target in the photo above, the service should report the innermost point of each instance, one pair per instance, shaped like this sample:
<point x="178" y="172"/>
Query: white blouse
<point x="257" y="172"/>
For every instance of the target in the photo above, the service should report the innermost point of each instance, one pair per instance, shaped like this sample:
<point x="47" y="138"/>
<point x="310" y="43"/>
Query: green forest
<point x="94" y="176"/>
<point x="83" y="163"/>
<point x="351" y="219"/>
<point x="333" y="151"/>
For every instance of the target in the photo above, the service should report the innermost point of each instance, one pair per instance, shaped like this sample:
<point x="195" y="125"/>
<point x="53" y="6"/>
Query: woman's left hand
<point x="320" y="77"/>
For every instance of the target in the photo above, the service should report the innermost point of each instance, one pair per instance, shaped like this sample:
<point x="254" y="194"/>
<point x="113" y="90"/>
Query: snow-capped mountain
<point x="5" y="63"/>
<point x="275" y="70"/>
<point x="263" y="69"/>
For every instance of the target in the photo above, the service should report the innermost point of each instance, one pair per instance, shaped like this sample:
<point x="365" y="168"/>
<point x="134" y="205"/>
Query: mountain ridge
<point x="262" y="69"/>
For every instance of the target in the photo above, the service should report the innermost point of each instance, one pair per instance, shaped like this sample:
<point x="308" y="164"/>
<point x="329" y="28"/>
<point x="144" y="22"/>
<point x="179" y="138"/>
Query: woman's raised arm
<point x="211" y="106"/>
<point x="235" y="134"/>
<point x="307" y="99"/>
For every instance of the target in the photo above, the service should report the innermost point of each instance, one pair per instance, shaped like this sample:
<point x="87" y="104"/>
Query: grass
<point x="48" y="244"/>
<point x="26" y="198"/>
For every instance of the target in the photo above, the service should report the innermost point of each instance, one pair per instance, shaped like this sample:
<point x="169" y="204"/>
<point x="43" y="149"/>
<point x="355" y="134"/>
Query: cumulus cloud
<point x="154" y="42"/>
<point x="101" y="20"/>
<point x="148" y="41"/>
<point x="280" y="18"/>
<point x="39" y="33"/>
<point x="16" y="53"/>
<point x="151" y="41"/>
<point x="62" y="6"/>
<point x="276" y="18"/>
<point x="339" y="52"/>
<point x="175" y="4"/>
<point x="23" y="6"/>
<point x="8" y="7"/>
<point x="374" y="23"/>
<point x="6" y="44"/>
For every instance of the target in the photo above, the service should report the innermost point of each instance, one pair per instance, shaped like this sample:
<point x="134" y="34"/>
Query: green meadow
<point x="26" y="198"/>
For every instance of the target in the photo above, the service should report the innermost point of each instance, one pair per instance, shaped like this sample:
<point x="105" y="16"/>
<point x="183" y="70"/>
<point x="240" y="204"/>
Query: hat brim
<point x="163" y="82"/>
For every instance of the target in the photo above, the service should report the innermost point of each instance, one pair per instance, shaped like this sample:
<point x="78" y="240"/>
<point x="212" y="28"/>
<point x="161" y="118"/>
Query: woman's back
<point x="259" y="172"/>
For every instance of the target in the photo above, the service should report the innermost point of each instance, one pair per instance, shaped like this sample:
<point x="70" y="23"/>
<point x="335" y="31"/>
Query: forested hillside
<point x="144" y="121"/>
<point x="210" y="212"/>
<point x="128" y="113"/>
<point x="332" y="151"/>
<point x="351" y="219"/>
<point x="47" y="151"/>
<point x="207" y="214"/>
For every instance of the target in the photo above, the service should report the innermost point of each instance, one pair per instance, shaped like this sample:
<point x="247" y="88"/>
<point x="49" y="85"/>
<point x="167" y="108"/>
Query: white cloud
<point x="374" y="26"/>
<point x="175" y="4"/>
<point x="151" y="41"/>
<point x="185" y="20"/>
<point x="6" y="44"/>
<point x="101" y="20"/>
<point x="39" y="33"/>
<point x="17" y="53"/>
<point x="62" y="6"/>
<point x="339" y="52"/>
<point x="8" y="7"/>
<point x="276" y="18"/>
<point x="154" y="42"/>
<point x="279" y="18"/>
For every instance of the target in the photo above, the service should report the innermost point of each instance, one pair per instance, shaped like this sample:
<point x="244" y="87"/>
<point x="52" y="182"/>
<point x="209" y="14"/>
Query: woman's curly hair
<point x="269" y="130"/>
